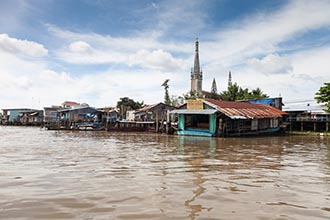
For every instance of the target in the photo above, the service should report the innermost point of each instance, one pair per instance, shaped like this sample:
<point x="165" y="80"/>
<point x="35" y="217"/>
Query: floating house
<point x="22" y="116"/>
<point x="209" y="117"/>
<point x="51" y="114"/>
<point x="80" y="117"/>
<point x="109" y="115"/>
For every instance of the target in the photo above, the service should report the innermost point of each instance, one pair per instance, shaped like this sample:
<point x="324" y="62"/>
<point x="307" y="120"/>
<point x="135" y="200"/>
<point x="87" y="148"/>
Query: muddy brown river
<point x="103" y="175"/>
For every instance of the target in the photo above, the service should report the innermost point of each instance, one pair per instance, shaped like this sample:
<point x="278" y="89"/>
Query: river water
<point x="103" y="175"/>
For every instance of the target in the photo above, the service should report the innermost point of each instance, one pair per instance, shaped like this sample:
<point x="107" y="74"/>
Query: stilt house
<point x="209" y="117"/>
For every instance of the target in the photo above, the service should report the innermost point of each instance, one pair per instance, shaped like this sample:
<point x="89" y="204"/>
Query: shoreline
<point x="309" y="133"/>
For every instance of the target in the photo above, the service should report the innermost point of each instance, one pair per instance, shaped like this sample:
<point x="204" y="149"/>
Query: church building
<point x="196" y="74"/>
<point x="197" y="79"/>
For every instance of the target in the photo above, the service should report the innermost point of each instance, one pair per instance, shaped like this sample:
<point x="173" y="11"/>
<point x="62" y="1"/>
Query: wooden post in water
<point x="157" y="121"/>
<point x="168" y="123"/>
<point x="106" y="121"/>
<point x="327" y="126"/>
<point x="301" y="126"/>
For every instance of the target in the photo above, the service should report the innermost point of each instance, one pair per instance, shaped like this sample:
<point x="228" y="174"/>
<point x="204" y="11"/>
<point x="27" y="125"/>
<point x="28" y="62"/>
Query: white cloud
<point x="148" y="40"/>
<point x="238" y="47"/>
<point x="30" y="83"/>
<point x="271" y="64"/>
<point x="52" y="76"/>
<point x="80" y="47"/>
<point x="16" y="46"/>
<point x="310" y="69"/>
<point x="262" y="33"/>
<point x="157" y="59"/>
<point x="106" y="52"/>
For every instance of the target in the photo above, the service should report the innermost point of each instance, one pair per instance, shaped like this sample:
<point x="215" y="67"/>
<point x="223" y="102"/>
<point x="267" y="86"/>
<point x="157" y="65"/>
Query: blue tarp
<point x="268" y="101"/>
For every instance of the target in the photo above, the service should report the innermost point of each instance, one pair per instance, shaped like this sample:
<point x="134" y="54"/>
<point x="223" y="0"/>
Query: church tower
<point x="229" y="80"/>
<point x="196" y="74"/>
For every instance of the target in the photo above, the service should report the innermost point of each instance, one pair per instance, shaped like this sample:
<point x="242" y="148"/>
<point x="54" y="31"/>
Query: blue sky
<point x="98" y="51"/>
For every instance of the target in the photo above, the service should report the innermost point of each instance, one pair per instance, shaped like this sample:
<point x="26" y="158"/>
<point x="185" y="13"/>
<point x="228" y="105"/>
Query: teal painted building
<point x="197" y="122"/>
<point x="209" y="117"/>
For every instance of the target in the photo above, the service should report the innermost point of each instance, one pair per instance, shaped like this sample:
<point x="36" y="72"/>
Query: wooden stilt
<point x="157" y="121"/>
<point x="315" y="126"/>
<point x="168" y="123"/>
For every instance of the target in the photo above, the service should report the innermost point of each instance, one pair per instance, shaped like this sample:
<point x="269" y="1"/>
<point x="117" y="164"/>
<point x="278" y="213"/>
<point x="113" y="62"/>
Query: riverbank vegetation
<point x="323" y="96"/>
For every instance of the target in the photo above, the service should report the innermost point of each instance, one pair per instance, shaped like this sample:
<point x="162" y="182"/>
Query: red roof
<point x="245" y="109"/>
<point x="70" y="103"/>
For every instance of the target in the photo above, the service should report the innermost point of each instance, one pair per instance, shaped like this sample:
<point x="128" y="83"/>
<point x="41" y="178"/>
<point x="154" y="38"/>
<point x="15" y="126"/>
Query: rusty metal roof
<point x="147" y="108"/>
<point x="246" y="110"/>
<point x="150" y="107"/>
<point x="194" y="112"/>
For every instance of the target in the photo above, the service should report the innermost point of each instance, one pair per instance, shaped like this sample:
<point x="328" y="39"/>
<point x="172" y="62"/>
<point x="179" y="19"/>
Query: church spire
<point x="196" y="73"/>
<point x="229" y="79"/>
<point x="196" y="62"/>
<point x="214" y="89"/>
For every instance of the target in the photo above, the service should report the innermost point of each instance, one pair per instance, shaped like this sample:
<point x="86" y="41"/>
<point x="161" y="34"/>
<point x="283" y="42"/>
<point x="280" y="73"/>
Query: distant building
<point x="130" y="115"/>
<point x="71" y="105"/>
<point x="150" y="112"/>
<point x="77" y="116"/>
<point x="51" y="113"/>
<point x="307" y="116"/>
<point x="22" y="116"/>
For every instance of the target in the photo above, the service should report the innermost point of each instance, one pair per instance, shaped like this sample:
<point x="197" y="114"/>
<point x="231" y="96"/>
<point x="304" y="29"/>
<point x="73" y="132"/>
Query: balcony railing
<point x="325" y="118"/>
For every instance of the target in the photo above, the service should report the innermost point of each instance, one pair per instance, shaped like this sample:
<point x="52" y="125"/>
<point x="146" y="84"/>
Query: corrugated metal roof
<point x="80" y="108"/>
<point x="194" y="112"/>
<point x="245" y="109"/>
<point x="147" y="108"/>
<point x="150" y="107"/>
<point x="304" y="106"/>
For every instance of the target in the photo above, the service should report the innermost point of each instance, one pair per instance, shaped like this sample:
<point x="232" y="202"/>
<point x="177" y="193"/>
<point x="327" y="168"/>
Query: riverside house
<point x="209" y="117"/>
<point x="22" y="116"/>
<point x="150" y="112"/>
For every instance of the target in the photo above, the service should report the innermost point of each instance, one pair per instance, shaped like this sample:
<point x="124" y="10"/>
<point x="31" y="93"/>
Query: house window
<point x="197" y="121"/>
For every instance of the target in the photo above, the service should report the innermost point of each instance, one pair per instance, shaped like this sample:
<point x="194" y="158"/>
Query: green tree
<point x="323" y="96"/>
<point x="191" y="95"/>
<point x="235" y="92"/>
<point x="126" y="104"/>
<point x="256" y="94"/>
<point x="177" y="100"/>
<point x="167" y="99"/>
<point x="232" y="93"/>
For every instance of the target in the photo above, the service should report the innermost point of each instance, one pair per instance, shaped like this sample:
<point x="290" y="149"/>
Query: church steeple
<point x="196" y="73"/>
<point x="196" y="62"/>
<point x="229" y="79"/>
<point x="214" y="89"/>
